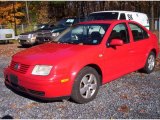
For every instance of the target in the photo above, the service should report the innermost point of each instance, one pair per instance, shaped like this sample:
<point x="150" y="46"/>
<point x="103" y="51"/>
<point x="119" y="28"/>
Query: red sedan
<point x="81" y="59"/>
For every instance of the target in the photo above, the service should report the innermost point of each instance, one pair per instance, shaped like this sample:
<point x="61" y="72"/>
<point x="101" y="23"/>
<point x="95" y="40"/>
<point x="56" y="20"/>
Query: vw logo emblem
<point x="16" y="66"/>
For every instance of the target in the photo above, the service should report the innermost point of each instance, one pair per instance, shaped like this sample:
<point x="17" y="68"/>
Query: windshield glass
<point x="90" y="34"/>
<point x="103" y="16"/>
<point x="65" y="22"/>
<point x="49" y="28"/>
<point x="61" y="22"/>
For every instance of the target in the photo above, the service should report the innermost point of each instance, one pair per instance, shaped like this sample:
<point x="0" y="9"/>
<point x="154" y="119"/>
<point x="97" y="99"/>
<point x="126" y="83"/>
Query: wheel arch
<point x="98" y="69"/>
<point x="77" y="68"/>
<point x="154" y="51"/>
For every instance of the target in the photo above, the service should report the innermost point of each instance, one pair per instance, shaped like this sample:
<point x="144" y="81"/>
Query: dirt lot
<point x="135" y="95"/>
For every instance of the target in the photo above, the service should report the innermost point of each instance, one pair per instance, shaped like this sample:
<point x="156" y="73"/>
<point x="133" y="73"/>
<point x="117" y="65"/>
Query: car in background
<point x="47" y="32"/>
<point x="81" y="59"/>
<point x="59" y="27"/>
<point x="141" y="18"/>
<point x="29" y="38"/>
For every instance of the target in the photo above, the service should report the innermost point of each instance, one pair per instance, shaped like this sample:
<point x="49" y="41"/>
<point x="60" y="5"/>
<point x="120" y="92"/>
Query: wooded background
<point x="37" y="12"/>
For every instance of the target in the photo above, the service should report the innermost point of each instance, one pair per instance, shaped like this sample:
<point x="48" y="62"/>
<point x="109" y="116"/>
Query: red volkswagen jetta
<point x="81" y="59"/>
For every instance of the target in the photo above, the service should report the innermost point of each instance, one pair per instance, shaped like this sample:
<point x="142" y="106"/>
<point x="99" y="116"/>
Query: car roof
<point x="116" y="11"/>
<point x="112" y="22"/>
<point x="105" y="21"/>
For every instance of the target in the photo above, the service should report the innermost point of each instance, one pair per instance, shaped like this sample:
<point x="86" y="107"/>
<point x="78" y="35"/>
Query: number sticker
<point x="130" y="17"/>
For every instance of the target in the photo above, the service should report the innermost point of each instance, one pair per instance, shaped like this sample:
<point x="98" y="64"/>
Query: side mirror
<point x="116" y="42"/>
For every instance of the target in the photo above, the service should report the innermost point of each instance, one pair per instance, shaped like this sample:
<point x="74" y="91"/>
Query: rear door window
<point x="138" y="32"/>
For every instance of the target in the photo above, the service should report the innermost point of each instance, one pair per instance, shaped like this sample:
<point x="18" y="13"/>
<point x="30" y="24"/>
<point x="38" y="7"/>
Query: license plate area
<point x="14" y="79"/>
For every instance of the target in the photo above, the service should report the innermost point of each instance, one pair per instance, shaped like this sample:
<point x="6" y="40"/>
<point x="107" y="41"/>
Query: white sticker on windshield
<point x="70" y="20"/>
<point x="95" y="41"/>
<point x="42" y="26"/>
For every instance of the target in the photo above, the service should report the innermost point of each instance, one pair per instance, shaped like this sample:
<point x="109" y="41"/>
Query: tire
<point x="26" y="45"/>
<point x="150" y="63"/>
<point x="6" y="41"/>
<point x="23" y="45"/>
<point x="86" y="85"/>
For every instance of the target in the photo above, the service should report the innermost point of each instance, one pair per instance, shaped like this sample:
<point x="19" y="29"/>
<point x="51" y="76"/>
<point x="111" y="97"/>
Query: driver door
<point x="117" y="59"/>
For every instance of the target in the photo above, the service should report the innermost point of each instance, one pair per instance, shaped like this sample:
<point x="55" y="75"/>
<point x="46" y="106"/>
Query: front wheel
<point x="86" y="85"/>
<point x="150" y="63"/>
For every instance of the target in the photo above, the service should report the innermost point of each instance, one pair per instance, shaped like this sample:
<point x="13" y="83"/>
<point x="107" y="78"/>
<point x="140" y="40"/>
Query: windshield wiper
<point x="54" y="42"/>
<point x="70" y="42"/>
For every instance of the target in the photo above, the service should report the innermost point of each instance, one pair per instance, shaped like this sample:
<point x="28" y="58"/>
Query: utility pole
<point x="15" y="26"/>
<point x="27" y="12"/>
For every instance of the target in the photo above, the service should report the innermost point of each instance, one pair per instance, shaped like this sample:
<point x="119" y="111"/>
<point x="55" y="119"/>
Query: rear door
<point x="141" y="43"/>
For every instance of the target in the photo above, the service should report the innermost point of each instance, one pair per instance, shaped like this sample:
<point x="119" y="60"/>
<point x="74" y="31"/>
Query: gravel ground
<point x="135" y="95"/>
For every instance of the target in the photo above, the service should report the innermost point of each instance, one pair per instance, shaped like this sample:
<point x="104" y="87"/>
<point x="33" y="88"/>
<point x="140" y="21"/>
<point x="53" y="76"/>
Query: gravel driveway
<point x="135" y="95"/>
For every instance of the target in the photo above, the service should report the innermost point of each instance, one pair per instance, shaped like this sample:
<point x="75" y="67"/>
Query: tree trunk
<point x="152" y="15"/>
<point x="15" y="26"/>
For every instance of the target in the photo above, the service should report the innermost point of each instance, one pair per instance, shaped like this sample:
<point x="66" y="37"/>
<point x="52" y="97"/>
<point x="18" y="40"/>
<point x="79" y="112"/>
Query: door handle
<point x="131" y="51"/>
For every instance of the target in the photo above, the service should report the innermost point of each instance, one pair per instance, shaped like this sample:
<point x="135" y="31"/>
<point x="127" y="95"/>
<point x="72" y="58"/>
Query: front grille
<point x="23" y="37"/>
<point x="22" y="68"/>
<point x="44" y="35"/>
<point x="39" y="93"/>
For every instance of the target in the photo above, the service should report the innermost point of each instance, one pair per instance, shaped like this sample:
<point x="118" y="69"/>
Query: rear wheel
<point x="150" y="63"/>
<point x="86" y="85"/>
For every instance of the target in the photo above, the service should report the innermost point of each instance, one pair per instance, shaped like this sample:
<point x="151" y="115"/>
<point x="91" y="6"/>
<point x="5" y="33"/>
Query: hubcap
<point x="88" y="86"/>
<point x="151" y="62"/>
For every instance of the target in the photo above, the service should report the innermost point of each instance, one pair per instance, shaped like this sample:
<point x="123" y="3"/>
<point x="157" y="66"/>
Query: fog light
<point x="64" y="80"/>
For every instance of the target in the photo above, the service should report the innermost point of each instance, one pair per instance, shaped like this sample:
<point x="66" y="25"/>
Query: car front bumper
<point x="48" y="88"/>
<point x="40" y="40"/>
<point x="29" y="41"/>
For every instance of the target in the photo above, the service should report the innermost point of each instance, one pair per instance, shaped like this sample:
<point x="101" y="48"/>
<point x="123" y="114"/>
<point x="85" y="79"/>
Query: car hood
<point x="27" y="33"/>
<point x="36" y="31"/>
<point x="51" y="53"/>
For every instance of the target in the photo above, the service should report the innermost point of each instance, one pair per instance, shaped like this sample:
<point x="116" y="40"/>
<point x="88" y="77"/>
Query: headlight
<point x="55" y="34"/>
<point x="41" y="70"/>
<point x="30" y="35"/>
<point x="19" y="36"/>
<point x="34" y="35"/>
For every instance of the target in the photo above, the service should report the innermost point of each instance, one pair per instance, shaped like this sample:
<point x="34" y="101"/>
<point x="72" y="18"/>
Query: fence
<point x="21" y="28"/>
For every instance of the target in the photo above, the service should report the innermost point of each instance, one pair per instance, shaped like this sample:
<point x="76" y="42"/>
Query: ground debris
<point x="123" y="108"/>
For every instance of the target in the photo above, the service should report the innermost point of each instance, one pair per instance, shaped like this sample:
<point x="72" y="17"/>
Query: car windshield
<point x="68" y="22"/>
<point x="89" y="34"/>
<point x="49" y="28"/>
<point x="103" y="16"/>
<point x="65" y="22"/>
<point x="61" y="22"/>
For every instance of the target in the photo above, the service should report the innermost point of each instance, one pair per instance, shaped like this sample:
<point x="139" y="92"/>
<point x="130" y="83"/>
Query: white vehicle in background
<point x="120" y="15"/>
<point x="6" y="35"/>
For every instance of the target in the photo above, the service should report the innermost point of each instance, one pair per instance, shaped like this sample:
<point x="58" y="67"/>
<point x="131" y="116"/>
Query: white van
<point x="120" y="15"/>
<point x="6" y="35"/>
